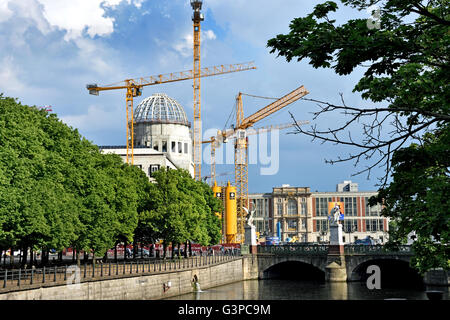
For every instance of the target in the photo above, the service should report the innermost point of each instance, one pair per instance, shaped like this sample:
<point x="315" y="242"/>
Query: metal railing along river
<point x="22" y="279"/>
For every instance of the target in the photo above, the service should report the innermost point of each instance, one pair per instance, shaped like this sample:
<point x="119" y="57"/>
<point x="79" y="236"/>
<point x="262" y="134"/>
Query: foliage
<point x="407" y="74"/>
<point x="418" y="200"/>
<point x="56" y="188"/>
<point x="407" y="70"/>
<point x="181" y="209"/>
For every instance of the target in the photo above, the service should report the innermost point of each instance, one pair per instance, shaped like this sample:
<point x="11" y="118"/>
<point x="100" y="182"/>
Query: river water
<point x="304" y="290"/>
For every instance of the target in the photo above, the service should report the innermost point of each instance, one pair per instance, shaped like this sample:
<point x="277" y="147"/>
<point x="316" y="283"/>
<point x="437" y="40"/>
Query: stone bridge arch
<point x="268" y="263"/>
<point x="394" y="269"/>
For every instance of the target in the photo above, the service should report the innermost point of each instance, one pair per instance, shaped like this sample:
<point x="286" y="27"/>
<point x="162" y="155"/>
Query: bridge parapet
<point x="376" y="250"/>
<point x="294" y="249"/>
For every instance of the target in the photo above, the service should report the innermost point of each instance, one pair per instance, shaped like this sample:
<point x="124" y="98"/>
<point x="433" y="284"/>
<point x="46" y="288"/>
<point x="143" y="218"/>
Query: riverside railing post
<point x="54" y="274"/>
<point x="124" y="267"/>
<point x="93" y="270"/>
<point x="5" y="278"/>
<point x="101" y="270"/>
<point x="65" y="273"/>
<point x="131" y="267"/>
<point x="43" y="274"/>
<point x="110" y="268"/>
<point x="117" y="268"/>
<point x="18" y="280"/>
<point x="32" y="273"/>
<point x="85" y="268"/>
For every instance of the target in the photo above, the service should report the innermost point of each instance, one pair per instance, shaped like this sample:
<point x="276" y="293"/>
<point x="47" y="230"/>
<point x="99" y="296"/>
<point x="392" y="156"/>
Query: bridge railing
<point x="297" y="249"/>
<point x="376" y="249"/>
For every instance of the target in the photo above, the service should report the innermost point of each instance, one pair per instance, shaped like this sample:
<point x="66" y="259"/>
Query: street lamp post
<point x="350" y="229"/>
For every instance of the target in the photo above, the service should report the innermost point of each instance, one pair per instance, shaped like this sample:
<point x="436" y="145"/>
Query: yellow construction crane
<point x="241" y="147"/>
<point x="134" y="88"/>
<point x="197" y="17"/>
<point x="223" y="136"/>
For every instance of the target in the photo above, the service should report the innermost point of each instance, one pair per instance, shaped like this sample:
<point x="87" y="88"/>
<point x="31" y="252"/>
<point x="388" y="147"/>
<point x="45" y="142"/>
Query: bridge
<point x="348" y="263"/>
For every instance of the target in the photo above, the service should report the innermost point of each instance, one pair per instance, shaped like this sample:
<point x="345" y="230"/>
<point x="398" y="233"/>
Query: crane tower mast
<point x="197" y="17"/>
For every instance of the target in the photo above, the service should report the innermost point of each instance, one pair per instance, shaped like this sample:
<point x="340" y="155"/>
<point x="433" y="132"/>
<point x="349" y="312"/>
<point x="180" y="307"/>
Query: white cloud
<point x="96" y="119"/>
<point x="5" y="12"/>
<point x="209" y="35"/>
<point x="73" y="16"/>
<point x="186" y="44"/>
<point x="76" y="15"/>
<point x="9" y="75"/>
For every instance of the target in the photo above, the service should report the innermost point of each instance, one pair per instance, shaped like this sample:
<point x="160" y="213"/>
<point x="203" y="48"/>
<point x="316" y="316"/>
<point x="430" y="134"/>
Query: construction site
<point x="160" y="135"/>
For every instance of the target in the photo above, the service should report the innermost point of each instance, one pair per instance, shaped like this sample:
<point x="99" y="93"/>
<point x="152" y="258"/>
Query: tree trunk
<point x="85" y="257"/>
<point x="73" y="254"/>
<point x="125" y="250"/>
<point x="186" y="249"/>
<point x="134" y="249"/>
<point x="115" y="253"/>
<point x="78" y="258"/>
<point x="60" y="256"/>
<point x="24" y="256"/>
<point x="164" y="249"/>
<point x="11" y="257"/>
<point x="43" y="256"/>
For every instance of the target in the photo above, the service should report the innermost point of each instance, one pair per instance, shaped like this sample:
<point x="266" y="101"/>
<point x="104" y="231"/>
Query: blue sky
<point x="50" y="50"/>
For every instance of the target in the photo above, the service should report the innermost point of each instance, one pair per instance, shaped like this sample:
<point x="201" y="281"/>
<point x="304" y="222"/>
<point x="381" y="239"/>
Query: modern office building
<point x="303" y="215"/>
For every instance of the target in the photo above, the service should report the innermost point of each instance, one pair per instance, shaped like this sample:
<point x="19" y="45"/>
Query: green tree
<point x="418" y="200"/>
<point x="406" y="61"/>
<point x="35" y="209"/>
<point x="58" y="190"/>
<point x="180" y="209"/>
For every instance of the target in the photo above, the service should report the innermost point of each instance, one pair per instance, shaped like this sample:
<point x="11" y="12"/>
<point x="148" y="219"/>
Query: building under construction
<point x="159" y="134"/>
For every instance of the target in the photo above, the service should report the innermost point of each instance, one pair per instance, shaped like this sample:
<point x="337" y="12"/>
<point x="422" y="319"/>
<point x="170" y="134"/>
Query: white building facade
<point x="162" y="136"/>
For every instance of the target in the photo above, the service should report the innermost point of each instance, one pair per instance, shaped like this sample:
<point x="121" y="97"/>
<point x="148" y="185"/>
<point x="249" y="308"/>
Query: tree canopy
<point x="405" y="54"/>
<point x="57" y="190"/>
<point x="182" y="209"/>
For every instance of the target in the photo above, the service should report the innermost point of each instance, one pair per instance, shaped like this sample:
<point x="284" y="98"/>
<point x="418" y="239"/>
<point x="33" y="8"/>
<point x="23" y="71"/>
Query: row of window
<point x="350" y="206"/>
<point x="292" y="224"/>
<point x="152" y="168"/>
<point x="374" y="210"/>
<point x="175" y="147"/>
<point x="261" y="206"/>
<point x="351" y="225"/>
<point x="292" y="207"/>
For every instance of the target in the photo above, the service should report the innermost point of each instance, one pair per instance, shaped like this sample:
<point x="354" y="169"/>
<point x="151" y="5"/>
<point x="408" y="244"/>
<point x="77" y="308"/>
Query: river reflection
<point x="303" y="290"/>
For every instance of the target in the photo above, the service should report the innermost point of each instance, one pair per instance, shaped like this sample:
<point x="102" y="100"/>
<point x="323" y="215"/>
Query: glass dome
<point x="160" y="108"/>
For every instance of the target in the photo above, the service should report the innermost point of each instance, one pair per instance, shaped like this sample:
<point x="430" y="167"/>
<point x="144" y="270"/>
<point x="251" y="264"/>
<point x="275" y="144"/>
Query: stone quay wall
<point x="142" y="287"/>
